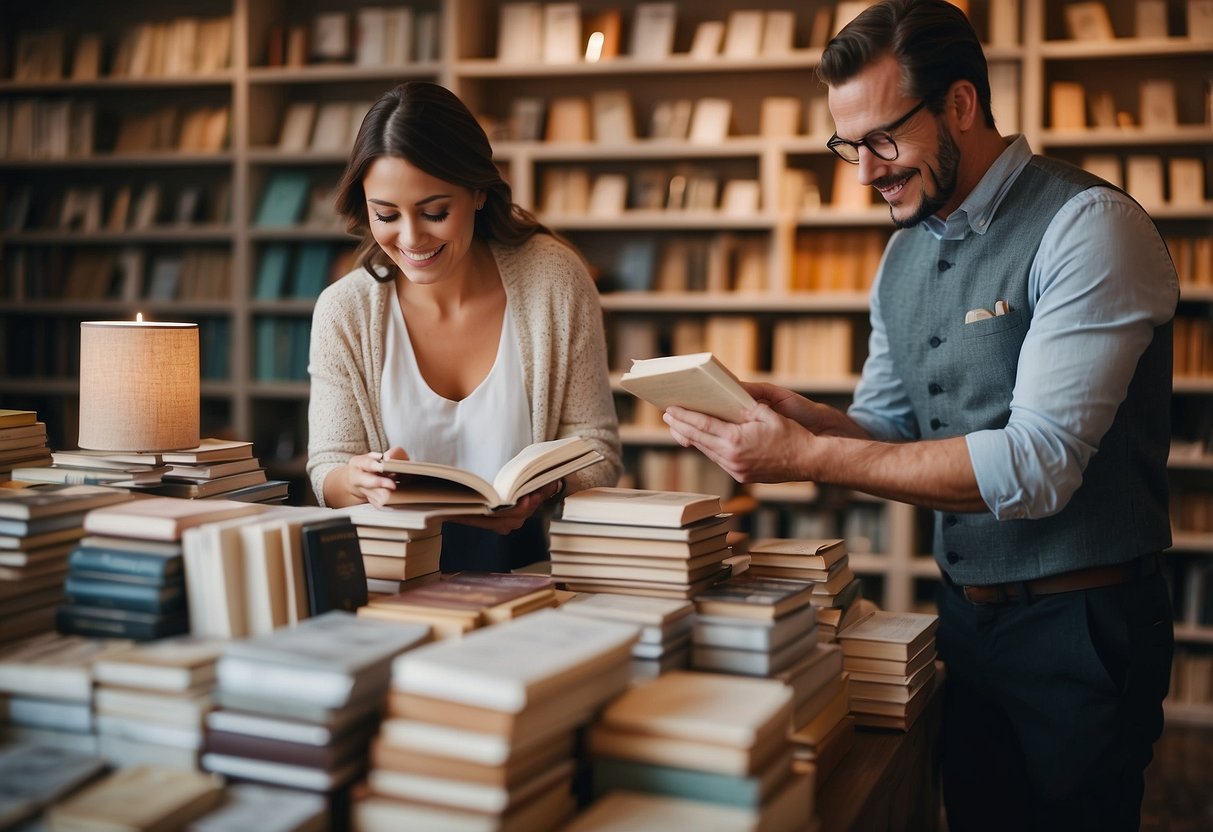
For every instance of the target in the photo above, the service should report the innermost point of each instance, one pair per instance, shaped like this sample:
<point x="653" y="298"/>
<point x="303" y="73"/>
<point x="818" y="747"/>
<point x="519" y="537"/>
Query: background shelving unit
<point x="811" y="257"/>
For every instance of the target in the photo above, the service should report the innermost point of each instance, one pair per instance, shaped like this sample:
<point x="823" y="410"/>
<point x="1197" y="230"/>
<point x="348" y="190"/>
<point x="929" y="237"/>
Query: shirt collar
<point x="977" y="210"/>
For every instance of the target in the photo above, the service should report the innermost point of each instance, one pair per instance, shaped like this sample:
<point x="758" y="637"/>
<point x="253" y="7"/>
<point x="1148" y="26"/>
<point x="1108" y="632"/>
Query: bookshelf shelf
<point x="660" y="221"/>
<point x="167" y="159"/>
<point x="298" y="233"/>
<point x="836" y="218"/>
<point x="1124" y="48"/>
<point x="647" y="149"/>
<point x="481" y="68"/>
<point x="1192" y="384"/>
<point x="735" y="302"/>
<point x="174" y="234"/>
<point x="184" y="82"/>
<point x="279" y="390"/>
<point x="1188" y="714"/>
<point x="328" y="74"/>
<point x="1194" y="134"/>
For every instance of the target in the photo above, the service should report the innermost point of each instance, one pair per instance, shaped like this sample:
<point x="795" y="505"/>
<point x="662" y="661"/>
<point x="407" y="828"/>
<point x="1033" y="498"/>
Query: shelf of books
<point x="680" y="146"/>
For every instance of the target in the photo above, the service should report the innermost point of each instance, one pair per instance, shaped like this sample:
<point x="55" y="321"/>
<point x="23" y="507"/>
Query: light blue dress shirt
<point x="1102" y="280"/>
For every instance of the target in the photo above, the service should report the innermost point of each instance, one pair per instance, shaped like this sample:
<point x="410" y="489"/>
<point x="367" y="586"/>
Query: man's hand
<point x="765" y="447"/>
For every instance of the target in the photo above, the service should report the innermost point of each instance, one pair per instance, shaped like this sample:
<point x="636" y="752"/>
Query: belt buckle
<point x="981" y="595"/>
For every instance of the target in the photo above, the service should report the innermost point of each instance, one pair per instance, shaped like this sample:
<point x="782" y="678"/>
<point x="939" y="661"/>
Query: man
<point x="1018" y="382"/>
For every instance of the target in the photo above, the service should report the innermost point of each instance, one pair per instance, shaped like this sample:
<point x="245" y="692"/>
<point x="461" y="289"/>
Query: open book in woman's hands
<point x="533" y="467"/>
<point x="697" y="381"/>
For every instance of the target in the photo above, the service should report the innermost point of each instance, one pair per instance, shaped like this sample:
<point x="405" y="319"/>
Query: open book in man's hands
<point x="697" y="381"/>
<point x="533" y="467"/>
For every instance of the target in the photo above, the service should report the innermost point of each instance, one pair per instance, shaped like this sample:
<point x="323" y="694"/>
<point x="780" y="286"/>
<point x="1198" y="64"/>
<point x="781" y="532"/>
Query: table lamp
<point x="139" y="385"/>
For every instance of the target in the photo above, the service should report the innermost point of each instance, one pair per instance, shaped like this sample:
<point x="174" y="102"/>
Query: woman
<point x="468" y="331"/>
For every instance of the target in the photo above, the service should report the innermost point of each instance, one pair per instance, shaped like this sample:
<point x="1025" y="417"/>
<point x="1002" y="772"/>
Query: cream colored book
<point x="163" y="518"/>
<point x="533" y="467"/>
<point x="638" y="507"/>
<point x="142" y="797"/>
<point x="697" y="381"/>
<point x="889" y="635"/>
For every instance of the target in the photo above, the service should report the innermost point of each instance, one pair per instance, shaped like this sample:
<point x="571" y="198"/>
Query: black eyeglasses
<point x="879" y="142"/>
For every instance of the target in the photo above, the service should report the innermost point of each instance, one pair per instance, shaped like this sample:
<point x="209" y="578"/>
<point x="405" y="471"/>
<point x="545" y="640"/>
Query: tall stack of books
<point x="127" y="578"/>
<point x="823" y="729"/>
<point x="142" y="797"/>
<point x="891" y="660"/>
<point x="298" y="707"/>
<point x="753" y="626"/>
<point x="665" y="628"/>
<point x="667" y="544"/>
<point x="218" y="468"/>
<point x="151" y="699"/>
<point x="480" y="730"/>
<point x="34" y="776"/>
<point x="691" y="741"/>
<point x="825" y="563"/>
<point x="464" y="601"/>
<point x="400" y="547"/>
<point x="38" y="528"/>
<point x="22" y="442"/>
<point x="49" y="684"/>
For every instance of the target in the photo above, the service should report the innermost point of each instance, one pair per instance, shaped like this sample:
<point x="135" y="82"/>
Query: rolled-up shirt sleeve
<point x="1101" y="282"/>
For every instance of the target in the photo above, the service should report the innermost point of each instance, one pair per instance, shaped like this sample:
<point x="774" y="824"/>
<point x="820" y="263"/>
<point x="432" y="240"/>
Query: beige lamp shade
<point x="138" y="386"/>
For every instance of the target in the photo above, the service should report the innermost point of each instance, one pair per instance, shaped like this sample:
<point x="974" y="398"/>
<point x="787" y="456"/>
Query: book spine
<point x="125" y="596"/>
<point x="79" y="620"/>
<point x="124" y="563"/>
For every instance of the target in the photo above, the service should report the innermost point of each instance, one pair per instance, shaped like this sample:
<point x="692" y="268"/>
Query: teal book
<point x="272" y="272"/>
<point x="312" y="269"/>
<point x="712" y="787"/>
<point x="265" y="361"/>
<point x="284" y="198"/>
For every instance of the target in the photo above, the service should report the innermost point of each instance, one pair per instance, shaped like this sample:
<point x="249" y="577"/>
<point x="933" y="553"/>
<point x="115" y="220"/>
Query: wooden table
<point x="888" y="780"/>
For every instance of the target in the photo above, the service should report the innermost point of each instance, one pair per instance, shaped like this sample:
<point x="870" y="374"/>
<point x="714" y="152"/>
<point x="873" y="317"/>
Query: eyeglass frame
<point x="836" y="141"/>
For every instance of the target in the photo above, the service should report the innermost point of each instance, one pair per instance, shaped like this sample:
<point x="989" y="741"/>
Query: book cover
<point x="639" y="507"/>
<point x="95" y="589"/>
<point x="533" y="467"/>
<point x="332" y="566"/>
<point x="210" y="450"/>
<point x="107" y="622"/>
<point x="55" y="499"/>
<point x="284" y="198"/>
<point x="698" y="381"/>
<point x="141" y="797"/>
<point x="752" y="597"/>
<point x="162" y="518"/>
<point x="887" y="635"/>
<point x="120" y="556"/>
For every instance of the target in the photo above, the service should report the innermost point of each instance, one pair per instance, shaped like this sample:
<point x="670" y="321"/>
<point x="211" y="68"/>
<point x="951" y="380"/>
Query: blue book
<point x="103" y="622"/>
<point x="312" y="269"/>
<point x="708" y="786"/>
<point x="272" y="272"/>
<point x="265" y="363"/>
<point x="138" y="596"/>
<point x="284" y="198"/>
<point x="150" y="560"/>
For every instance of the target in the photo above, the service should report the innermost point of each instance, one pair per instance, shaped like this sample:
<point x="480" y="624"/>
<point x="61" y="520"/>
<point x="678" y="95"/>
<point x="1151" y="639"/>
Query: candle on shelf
<point x="139" y="385"/>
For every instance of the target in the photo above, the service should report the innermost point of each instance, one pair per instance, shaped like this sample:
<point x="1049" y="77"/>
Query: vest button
<point x="944" y="265"/>
<point x="950" y="520"/>
<point x="935" y="341"/>
<point x="936" y="424"/>
<point x="934" y="389"/>
<point x="952" y="557"/>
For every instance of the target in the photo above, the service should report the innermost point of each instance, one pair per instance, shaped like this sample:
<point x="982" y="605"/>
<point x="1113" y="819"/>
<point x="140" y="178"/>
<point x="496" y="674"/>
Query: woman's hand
<point x="507" y="520"/>
<point x="366" y="482"/>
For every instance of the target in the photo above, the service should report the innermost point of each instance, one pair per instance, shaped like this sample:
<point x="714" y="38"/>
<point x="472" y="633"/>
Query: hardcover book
<point x="698" y="381"/>
<point x="797" y="553"/>
<point x="332" y="566"/>
<point x="531" y="468"/>
<point x="691" y="533"/>
<point x="750" y="597"/>
<point x="162" y="518"/>
<point x="637" y="507"/>
<point x="52" y="500"/>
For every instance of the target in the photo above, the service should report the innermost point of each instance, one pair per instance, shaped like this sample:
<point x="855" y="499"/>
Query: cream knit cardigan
<point x="559" y="323"/>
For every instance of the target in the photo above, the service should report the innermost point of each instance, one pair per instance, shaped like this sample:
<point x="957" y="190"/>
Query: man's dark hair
<point x="932" y="41"/>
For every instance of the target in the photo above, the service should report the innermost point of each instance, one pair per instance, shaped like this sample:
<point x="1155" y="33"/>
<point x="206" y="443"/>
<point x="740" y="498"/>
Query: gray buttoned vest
<point x="960" y="378"/>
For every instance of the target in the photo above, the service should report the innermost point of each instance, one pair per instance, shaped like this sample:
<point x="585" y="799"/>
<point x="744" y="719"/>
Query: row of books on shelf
<point x="62" y="128"/>
<point x="559" y="33"/>
<point x="1073" y="107"/>
<point x="1154" y="181"/>
<point x="281" y="348"/>
<point x="321" y="126"/>
<point x="131" y="207"/>
<point x="1191" y="511"/>
<point x="180" y="46"/>
<point x="1193" y="354"/>
<point x="371" y="36"/>
<point x="1191" y="678"/>
<point x="128" y="273"/>
<point x="1089" y="21"/>
<point x="721" y="262"/>
<point x="299" y="271"/>
<point x="1193" y="258"/>
<point x="291" y="197"/>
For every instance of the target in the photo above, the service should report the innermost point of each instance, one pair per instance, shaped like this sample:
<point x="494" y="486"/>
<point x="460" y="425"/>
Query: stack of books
<point x="823" y="729"/>
<point x="298" y="707"/>
<point x="218" y="468"/>
<point x="151" y="699"/>
<point x="248" y="806"/>
<point x="81" y="467"/>
<point x="35" y="776"/>
<point x="825" y="564"/>
<point x="22" y="442"/>
<point x="753" y="626"/>
<point x="463" y="601"/>
<point x="400" y="547"/>
<point x="696" y="740"/>
<point x="38" y="528"/>
<point x="49" y="685"/>
<point x="142" y="797"/>
<point x="891" y="660"/>
<point x="127" y="577"/>
<point x="667" y="544"/>
<point x="665" y="628"/>
<point x="480" y="730"/>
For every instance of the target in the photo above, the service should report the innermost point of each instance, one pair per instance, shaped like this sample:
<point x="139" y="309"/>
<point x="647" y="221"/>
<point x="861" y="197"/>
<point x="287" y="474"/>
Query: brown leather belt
<point x="1092" y="578"/>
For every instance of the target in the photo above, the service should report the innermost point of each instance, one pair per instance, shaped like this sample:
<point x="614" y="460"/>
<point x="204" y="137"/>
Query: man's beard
<point x="945" y="182"/>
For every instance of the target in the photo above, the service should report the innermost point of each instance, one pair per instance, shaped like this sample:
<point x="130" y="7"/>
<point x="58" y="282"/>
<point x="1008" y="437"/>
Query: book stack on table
<point x="697" y="751"/>
<point x="401" y="547"/>
<point x="39" y="527"/>
<point x="34" y="776"/>
<point x="127" y="577"/>
<point x="823" y="729"/>
<point x="753" y="626"/>
<point x="825" y="564"/>
<point x="666" y="544"/>
<point x="464" y="601"/>
<point x="22" y="442"/>
<point x="142" y="797"/>
<point x="480" y="730"/>
<point x="665" y="628"/>
<point x="297" y="708"/>
<point x="49" y="685"/>
<point x="891" y="660"/>
<point x="151" y="699"/>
